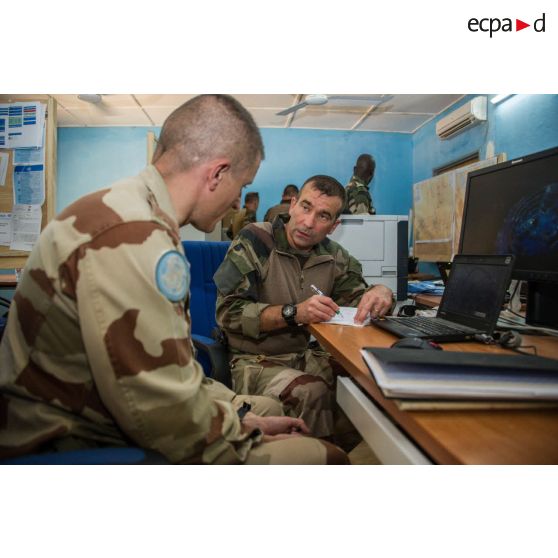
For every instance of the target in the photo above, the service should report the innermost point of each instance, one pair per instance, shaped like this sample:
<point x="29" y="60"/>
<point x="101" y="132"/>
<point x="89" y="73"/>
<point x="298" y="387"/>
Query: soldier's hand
<point x="376" y="302"/>
<point x="317" y="308"/>
<point x="273" y="426"/>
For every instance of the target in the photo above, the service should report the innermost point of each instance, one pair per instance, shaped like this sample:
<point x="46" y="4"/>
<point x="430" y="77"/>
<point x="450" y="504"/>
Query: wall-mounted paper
<point x="5" y="229"/>
<point x="26" y="226"/>
<point x="29" y="184"/>
<point x="4" y="158"/>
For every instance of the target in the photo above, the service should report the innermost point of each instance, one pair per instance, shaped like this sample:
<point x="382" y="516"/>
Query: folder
<point x="414" y="374"/>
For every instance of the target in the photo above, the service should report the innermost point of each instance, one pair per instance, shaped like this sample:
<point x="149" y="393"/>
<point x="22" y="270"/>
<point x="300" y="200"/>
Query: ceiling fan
<point x="97" y="101"/>
<point x="94" y="99"/>
<point x="314" y="100"/>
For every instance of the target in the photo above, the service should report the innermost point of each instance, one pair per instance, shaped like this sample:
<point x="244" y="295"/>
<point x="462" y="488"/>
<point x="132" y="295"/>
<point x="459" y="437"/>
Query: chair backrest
<point x="204" y="257"/>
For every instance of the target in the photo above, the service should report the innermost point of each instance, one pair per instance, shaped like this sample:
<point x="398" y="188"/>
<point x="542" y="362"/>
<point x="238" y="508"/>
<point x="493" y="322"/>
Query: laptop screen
<point x="475" y="290"/>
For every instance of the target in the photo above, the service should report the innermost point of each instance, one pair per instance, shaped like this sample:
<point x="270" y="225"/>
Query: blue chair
<point x="94" y="456"/>
<point x="205" y="257"/>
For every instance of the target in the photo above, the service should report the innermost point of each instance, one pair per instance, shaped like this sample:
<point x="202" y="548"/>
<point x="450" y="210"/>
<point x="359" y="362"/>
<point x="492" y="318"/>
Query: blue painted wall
<point x="520" y="125"/>
<point x="292" y="156"/>
<point x="92" y="158"/>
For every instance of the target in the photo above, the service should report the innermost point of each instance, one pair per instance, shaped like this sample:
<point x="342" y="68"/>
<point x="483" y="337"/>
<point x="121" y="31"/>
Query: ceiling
<point x="397" y="113"/>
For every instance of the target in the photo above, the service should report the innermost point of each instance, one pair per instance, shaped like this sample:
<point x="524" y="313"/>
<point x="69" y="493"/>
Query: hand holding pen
<point x="319" y="292"/>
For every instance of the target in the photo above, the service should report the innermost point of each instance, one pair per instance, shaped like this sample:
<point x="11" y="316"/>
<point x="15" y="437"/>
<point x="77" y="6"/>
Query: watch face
<point x="288" y="310"/>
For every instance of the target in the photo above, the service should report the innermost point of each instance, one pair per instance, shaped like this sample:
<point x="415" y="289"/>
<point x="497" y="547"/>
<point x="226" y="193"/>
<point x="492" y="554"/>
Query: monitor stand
<point x="542" y="305"/>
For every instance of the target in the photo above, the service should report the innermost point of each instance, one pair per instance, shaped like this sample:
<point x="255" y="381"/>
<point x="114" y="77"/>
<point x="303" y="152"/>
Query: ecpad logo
<point x="494" y="24"/>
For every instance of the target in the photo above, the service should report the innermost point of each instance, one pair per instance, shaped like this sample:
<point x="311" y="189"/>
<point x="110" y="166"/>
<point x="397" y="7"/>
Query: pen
<point x="318" y="292"/>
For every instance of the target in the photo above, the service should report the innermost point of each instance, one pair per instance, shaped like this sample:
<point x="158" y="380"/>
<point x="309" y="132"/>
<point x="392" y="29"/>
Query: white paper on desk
<point x="4" y="158"/>
<point x="5" y="229"/>
<point x="26" y="226"/>
<point x="346" y="316"/>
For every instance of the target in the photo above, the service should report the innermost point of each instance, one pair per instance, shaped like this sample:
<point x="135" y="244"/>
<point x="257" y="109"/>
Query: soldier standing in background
<point x="246" y="215"/>
<point x="266" y="287"/>
<point x="290" y="192"/>
<point x="97" y="351"/>
<point x="359" y="200"/>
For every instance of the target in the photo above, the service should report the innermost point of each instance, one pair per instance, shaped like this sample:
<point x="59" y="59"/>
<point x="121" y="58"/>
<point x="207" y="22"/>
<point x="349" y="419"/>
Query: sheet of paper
<point x="346" y="316"/>
<point x="22" y="124"/>
<point x="5" y="229"/>
<point x="26" y="226"/>
<point x="4" y="113"/>
<point x="31" y="156"/>
<point x="4" y="158"/>
<point x="29" y="184"/>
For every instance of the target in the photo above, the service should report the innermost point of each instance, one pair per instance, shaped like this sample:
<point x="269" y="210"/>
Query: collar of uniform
<point x="282" y="244"/>
<point x="358" y="181"/>
<point x="156" y="184"/>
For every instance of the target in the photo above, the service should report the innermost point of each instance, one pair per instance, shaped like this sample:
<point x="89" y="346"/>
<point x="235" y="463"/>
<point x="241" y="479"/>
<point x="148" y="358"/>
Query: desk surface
<point x="481" y="437"/>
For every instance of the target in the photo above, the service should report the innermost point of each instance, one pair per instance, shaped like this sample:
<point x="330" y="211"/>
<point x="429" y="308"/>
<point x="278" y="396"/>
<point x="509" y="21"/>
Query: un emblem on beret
<point x="172" y="275"/>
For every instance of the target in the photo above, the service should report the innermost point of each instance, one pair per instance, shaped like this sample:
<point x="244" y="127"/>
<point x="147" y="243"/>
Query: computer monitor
<point x="512" y="208"/>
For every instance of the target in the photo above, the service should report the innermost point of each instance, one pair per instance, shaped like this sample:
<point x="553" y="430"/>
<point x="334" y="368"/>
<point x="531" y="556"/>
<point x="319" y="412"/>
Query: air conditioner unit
<point x="468" y="115"/>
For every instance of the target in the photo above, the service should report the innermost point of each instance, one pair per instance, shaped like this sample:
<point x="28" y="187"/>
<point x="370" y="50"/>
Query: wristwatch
<point x="289" y="313"/>
<point x="246" y="407"/>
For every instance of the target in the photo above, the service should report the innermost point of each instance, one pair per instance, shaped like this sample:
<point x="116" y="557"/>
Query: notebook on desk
<point x="470" y="305"/>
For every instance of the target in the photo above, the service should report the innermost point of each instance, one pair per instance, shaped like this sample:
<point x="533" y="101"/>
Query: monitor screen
<point x="512" y="208"/>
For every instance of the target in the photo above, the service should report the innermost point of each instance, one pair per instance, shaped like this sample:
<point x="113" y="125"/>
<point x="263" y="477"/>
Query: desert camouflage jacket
<point x="359" y="200"/>
<point x="261" y="269"/>
<point x="97" y="345"/>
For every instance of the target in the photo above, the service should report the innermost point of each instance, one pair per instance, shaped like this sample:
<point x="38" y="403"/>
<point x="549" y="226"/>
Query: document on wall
<point x="5" y="229"/>
<point x="4" y="113"/>
<point x="346" y="316"/>
<point x="4" y="159"/>
<point x="26" y="226"/>
<point x="29" y="184"/>
<point x="30" y="156"/>
<point x="22" y="124"/>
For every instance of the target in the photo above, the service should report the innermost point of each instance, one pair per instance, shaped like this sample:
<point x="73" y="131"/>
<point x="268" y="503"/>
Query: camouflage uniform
<point x="97" y="349"/>
<point x="240" y="220"/>
<point x="359" y="200"/>
<point x="259" y="270"/>
<point x="275" y="210"/>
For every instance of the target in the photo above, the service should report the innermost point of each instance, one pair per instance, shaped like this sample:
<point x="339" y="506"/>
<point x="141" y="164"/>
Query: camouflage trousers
<point x="303" y="383"/>
<point x="300" y="450"/>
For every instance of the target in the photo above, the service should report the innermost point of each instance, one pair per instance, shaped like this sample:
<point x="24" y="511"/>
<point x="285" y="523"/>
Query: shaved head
<point x="209" y="127"/>
<point x="365" y="167"/>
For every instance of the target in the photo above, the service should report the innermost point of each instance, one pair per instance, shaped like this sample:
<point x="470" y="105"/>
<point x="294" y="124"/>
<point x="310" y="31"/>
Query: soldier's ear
<point x="218" y="171"/>
<point x="334" y="226"/>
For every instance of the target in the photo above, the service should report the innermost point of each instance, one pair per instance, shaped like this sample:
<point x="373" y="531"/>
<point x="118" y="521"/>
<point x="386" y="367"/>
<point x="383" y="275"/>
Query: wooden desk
<point x="482" y="437"/>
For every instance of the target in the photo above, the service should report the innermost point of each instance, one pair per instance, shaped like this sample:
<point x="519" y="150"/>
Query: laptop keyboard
<point x="433" y="326"/>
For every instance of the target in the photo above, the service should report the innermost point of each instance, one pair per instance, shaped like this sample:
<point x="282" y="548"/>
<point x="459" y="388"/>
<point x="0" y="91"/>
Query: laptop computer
<point x="471" y="303"/>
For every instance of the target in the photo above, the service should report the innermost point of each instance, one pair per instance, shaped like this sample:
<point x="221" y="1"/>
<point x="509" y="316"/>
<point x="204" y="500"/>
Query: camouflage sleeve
<point x="138" y="344"/>
<point x="349" y="285"/>
<point x="237" y="279"/>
